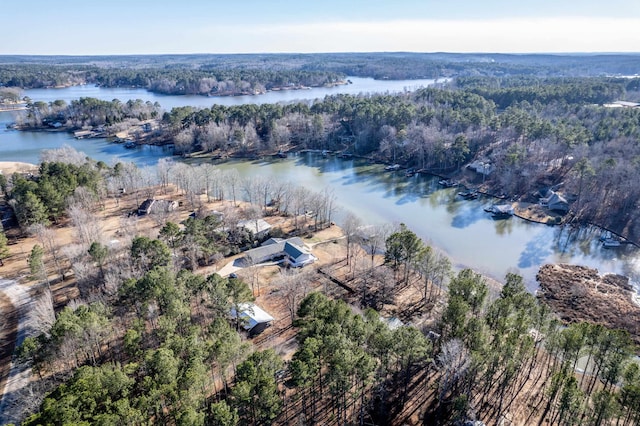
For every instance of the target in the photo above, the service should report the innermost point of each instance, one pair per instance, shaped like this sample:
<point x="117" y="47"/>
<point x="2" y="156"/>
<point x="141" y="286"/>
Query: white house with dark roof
<point x="292" y="251"/>
<point x="297" y="255"/>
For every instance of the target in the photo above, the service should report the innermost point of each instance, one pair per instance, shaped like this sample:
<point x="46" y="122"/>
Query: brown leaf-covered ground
<point x="577" y="293"/>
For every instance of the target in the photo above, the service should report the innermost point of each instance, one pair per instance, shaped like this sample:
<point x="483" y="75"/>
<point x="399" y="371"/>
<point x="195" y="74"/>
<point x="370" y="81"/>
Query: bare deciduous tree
<point x="64" y="154"/>
<point x="43" y="312"/>
<point x="453" y="360"/>
<point x="188" y="179"/>
<point x="130" y="178"/>
<point x="47" y="238"/>
<point x="27" y="400"/>
<point x="350" y="227"/>
<point x="210" y="178"/>
<point x="183" y="141"/>
<point x="84" y="197"/>
<point x="384" y="280"/>
<point x="113" y="280"/>
<point x="299" y="202"/>
<point x="434" y="268"/>
<point x="149" y="181"/>
<point x="215" y="136"/>
<point x="252" y="274"/>
<point x="162" y="216"/>
<point x="232" y="182"/>
<point x="374" y="238"/>
<point x="294" y="285"/>
<point x="86" y="225"/>
<point x="281" y="196"/>
<point x="162" y="170"/>
<point x="128" y="229"/>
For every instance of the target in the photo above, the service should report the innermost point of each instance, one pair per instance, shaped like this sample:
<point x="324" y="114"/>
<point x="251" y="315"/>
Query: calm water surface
<point x="26" y="146"/>
<point x="462" y="229"/>
<point x="359" y="85"/>
<point x="459" y="228"/>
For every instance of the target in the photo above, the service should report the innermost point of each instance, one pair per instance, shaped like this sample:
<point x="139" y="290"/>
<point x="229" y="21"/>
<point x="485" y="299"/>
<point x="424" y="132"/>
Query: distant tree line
<point x="187" y="70"/>
<point x="214" y="82"/>
<point x="35" y="76"/>
<point x="91" y="113"/>
<point x="206" y="80"/>
<point x="534" y="133"/>
<point x="506" y="92"/>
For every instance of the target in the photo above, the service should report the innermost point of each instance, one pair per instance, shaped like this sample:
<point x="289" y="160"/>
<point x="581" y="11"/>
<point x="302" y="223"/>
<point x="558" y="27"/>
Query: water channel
<point x="26" y="146"/>
<point x="459" y="228"/>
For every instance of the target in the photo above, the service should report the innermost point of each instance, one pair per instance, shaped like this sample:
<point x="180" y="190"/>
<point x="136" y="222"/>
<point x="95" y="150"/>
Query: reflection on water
<point x="503" y="227"/>
<point x="536" y="251"/>
<point x="460" y="228"/>
<point x="360" y="85"/>
<point x="27" y="146"/>
<point x="467" y="215"/>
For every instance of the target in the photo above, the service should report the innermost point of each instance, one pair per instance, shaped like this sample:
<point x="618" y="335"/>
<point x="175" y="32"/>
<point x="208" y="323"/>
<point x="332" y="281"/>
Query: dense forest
<point x="109" y="116"/>
<point x="249" y="74"/>
<point x="152" y="338"/>
<point x="205" y="80"/>
<point x="531" y="134"/>
<point x="150" y="335"/>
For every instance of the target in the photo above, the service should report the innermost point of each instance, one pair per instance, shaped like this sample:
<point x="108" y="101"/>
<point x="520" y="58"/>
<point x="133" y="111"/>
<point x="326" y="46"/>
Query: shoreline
<point x="520" y="207"/>
<point x="579" y="293"/>
<point x="10" y="167"/>
<point x="216" y="158"/>
<point x="5" y="109"/>
<point x="344" y="82"/>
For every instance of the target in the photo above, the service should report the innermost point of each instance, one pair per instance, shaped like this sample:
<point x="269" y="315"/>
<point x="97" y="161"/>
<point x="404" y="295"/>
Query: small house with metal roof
<point x="253" y="318"/>
<point x="293" y="252"/>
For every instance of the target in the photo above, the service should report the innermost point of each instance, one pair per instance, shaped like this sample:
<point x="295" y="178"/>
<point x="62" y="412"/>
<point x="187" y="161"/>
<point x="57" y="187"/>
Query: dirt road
<point x="19" y="310"/>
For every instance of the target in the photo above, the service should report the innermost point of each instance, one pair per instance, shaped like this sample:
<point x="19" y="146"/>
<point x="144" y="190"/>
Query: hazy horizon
<point x="121" y="27"/>
<point x="327" y="53"/>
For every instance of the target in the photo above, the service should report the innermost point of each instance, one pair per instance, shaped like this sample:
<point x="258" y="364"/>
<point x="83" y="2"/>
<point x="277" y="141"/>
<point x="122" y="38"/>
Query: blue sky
<point x="85" y="27"/>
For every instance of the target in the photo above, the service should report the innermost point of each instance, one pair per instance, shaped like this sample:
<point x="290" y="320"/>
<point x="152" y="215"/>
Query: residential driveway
<point x="231" y="267"/>
<point x="240" y="263"/>
<point x="20" y="374"/>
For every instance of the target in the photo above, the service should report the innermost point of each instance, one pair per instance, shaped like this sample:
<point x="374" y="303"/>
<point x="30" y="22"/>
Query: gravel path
<point x="19" y="374"/>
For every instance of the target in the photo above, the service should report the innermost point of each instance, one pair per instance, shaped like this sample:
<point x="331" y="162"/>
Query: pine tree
<point x="4" y="249"/>
<point x="36" y="263"/>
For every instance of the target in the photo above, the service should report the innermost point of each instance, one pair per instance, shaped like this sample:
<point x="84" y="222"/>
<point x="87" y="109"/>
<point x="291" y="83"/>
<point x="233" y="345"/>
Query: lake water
<point x="358" y="85"/>
<point x="26" y="146"/>
<point x="459" y="228"/>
